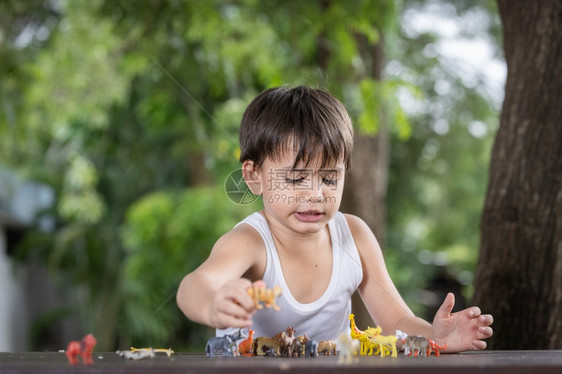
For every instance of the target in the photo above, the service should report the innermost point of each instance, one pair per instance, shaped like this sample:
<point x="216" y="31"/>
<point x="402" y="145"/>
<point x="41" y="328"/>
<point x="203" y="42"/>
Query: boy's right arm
<point x="215" y="294"/>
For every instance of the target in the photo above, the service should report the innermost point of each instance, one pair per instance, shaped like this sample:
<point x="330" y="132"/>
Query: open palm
<point x="462" y="331"/>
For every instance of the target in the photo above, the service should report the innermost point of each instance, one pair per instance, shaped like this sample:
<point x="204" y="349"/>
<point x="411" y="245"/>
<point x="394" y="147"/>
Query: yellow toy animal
<point x="385" y="341"/>
<point x="265" y="295"/>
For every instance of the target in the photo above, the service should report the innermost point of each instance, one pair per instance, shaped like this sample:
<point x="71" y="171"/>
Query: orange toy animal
<point x="245" y="347"/>
<point x="433" y="347"/>
<point x="83" y="348"/>
<point x="267" y="295"/>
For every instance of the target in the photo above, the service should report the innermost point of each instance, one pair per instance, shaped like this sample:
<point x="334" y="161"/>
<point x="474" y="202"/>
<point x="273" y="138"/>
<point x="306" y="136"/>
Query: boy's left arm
<point x="462" y="330"/>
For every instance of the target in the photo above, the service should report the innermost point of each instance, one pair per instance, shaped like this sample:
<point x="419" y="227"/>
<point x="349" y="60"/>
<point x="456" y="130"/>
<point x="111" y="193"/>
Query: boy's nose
<point x="315" y="198"/>
<point x="317" y="193"/>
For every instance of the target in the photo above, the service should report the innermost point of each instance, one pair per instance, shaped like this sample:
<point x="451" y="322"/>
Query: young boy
<point x="295" y="150"/>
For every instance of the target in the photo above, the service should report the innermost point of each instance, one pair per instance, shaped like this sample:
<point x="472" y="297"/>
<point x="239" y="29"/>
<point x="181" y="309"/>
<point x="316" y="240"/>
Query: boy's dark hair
<point x="311" y="120"/>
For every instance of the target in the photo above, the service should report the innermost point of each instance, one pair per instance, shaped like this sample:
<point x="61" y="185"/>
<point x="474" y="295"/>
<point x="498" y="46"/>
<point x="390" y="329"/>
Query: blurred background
<point x="119" y="129"/>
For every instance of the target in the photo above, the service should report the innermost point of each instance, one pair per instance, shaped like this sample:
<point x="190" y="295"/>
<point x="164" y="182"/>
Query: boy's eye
<point x="295" y="180"/>
<point x="329" y="181"/>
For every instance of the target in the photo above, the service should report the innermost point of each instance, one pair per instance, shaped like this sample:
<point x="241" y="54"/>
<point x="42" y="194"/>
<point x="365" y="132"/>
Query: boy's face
<point x="303" y="199"/>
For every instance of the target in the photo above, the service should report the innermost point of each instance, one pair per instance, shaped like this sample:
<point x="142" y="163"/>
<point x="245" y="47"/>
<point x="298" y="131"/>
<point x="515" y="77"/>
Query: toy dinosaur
<point x="84" y="348"/>
<point x="245" y="346"/>
<point x="265" y="295"/>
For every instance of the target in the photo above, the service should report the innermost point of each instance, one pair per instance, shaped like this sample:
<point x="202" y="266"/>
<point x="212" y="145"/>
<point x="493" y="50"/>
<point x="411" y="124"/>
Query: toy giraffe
<point x="359" y="335"/>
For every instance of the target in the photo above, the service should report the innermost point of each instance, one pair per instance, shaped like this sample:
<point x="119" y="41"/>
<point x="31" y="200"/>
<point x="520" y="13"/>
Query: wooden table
<point x="535" y="362"/>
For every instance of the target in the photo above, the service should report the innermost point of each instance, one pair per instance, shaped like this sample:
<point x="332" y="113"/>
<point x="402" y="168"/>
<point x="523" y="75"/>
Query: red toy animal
<point x="83" y="348"/>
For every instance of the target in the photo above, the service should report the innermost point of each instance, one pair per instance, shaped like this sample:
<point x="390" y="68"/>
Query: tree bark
<point x="519" y="272"/>
<point x="366" y="183"/>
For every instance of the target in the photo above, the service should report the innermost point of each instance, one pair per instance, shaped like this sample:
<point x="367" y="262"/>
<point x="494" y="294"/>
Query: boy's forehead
<point x="287" y="162"/>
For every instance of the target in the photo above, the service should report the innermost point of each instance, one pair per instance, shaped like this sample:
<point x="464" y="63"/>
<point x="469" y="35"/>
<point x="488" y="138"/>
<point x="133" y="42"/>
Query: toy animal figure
<point x="299" y="345"/>
<point x="168" y="351"/>
<point x="84" y="348"/>
<point x="286" y="342"/>
<point x="348" y="348"/>
<point x="296" y="348"/>
<point x="262" y="344"/>
<point x="137" y="354"/>
<point x="245" y="347"/>
<point x="270" y="352"/>
<point x="265" y="295"/>
<point x="226" y="344"/>
<point x="434" y="347"/>
<point x="311" y="348"/>
<point x="401" y="338"/>
<point x="383" y="341"/>
<point x="417" y="345"/>
<point x="327" y="347"/>
<point x="373" y="347"/>
<point x="359" y="335"/>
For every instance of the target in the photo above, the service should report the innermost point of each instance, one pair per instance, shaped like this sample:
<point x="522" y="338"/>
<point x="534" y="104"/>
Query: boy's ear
<point x="251" y="177"/>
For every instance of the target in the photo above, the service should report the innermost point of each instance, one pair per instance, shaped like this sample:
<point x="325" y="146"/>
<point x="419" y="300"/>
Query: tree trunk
<point x="366" y="184"/>
<point x="519" y="272"/>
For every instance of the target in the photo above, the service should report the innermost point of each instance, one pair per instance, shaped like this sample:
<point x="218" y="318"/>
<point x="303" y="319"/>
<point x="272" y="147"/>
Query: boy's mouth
<point x="309" y="215"/>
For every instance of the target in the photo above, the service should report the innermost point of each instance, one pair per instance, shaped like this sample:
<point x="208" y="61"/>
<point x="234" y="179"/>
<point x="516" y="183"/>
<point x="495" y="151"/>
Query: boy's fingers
<point x="446" y="308"/>
<point x="484" y="332"/>
<point x="236" y="292"/>
<point x="231" y="321"/>
<point x="259" y="283"/>
<point x="479" y="345"/>
<point x="473" y="312"/>
<point x="233" y="309"/>
<point x="244" y="300"/>
<point x="486" y="319"/>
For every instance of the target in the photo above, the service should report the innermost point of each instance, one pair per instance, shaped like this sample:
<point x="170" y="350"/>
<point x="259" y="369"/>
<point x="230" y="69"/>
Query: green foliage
<point x="128" y="110"/>
<point x="166" y="236"/>
<point x="439" y="174"/>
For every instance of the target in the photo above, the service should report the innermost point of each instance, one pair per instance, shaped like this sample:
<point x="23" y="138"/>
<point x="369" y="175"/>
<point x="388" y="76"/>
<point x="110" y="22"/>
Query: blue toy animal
<point x="311" y="349"/>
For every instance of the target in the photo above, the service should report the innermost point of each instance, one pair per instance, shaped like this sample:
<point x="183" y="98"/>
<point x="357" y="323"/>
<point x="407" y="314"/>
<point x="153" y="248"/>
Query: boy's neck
<point x="290" y="241"/>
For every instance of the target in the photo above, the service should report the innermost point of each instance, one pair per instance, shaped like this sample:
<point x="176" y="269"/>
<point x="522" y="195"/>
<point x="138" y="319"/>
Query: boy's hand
<point x="232" y="306"/>
<point x="463" y="330"/>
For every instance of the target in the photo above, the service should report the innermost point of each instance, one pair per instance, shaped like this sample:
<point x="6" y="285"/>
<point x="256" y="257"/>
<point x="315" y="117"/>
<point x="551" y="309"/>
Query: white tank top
<point x="325" y="318"/>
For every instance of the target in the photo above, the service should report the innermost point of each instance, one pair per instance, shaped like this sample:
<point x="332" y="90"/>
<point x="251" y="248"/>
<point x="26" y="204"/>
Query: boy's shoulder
<point x="360" y="231"/>
<point x="241" y="236"/>
<point x="356" y="224"/>
<point x="243" y="249"/>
